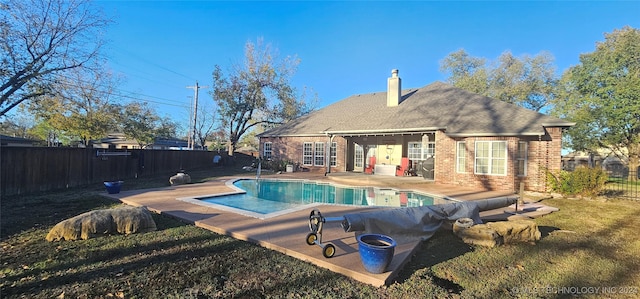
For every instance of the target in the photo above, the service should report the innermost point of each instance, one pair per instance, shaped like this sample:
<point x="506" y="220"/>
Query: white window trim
<point x="525" y="158"/>
<point x="424" y="153"/>
<point x="304" y="155"/>
<point x="490" y="158"/>
<point x="464" y="158"/>
<point x="334" y="154"/>
<point x="316" y="155"/>
<point x="268" y="149"/>
<point x="358" y="161"/>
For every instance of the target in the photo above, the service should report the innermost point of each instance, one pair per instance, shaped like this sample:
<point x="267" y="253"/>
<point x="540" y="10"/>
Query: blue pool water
<point x="269" y="196"/>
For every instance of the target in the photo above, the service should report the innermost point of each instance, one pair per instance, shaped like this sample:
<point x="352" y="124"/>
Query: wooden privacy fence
<point x="33" y="169"/>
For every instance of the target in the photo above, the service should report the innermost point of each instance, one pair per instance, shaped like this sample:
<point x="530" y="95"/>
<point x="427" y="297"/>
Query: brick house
<point x="444" y="133"/>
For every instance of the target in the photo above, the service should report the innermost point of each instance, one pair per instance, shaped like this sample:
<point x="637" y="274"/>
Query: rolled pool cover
<point x="409" y="224"/>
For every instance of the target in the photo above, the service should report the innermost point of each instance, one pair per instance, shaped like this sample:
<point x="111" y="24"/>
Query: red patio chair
<point x="403" y="169"/>
<point x="372" y="163"/>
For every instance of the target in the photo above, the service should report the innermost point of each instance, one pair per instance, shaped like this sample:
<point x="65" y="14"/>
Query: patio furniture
<point x="385" y="169"/>
<point x="369" y="168"/>
<point x="403" y="169"/>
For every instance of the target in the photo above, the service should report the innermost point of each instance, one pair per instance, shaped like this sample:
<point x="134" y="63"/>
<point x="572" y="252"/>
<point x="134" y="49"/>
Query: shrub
<point x="582" y="181"/>
<point x="276" y="164"/>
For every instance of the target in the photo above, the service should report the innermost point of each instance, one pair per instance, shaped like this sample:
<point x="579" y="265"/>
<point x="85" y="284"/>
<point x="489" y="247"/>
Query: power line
<point x="137" y="57"/>
<point x="119" y="93"/>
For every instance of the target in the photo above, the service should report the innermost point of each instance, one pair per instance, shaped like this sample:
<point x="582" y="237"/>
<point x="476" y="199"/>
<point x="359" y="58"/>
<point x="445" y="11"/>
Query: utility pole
<point x="192" y="134"/>
<point x="189" y="134"/>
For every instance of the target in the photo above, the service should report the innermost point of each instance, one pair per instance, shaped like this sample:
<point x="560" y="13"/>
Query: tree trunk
<point x="231" y="147"/>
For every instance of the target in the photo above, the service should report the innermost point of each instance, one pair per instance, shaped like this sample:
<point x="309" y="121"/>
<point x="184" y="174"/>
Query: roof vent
<point x="393" y="89"/>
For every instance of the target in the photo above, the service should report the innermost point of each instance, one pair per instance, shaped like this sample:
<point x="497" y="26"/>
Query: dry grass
<point x="585" y="244"/>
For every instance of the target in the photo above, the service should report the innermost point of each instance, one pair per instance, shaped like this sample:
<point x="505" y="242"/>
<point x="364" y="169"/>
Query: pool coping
<point x="197" y="200"/>
<point x="284" y="233"/>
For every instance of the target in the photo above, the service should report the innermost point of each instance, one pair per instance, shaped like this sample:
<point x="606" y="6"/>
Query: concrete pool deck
<point x="287" y="233"/>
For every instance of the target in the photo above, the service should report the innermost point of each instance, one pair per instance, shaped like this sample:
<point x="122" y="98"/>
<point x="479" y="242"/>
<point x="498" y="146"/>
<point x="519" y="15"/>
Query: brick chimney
<point x="394" y="87"/>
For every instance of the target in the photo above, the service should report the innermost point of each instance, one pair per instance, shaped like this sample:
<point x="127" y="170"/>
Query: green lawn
<point x="588" y="246"/>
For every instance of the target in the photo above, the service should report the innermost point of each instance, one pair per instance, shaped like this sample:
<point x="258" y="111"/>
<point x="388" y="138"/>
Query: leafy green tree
<point x="41" y="39"/>
<point x="166" y="127"/>
<point x="139" y="121"/>
<point x="602" y="95"/>
<point x="258" y="92"/>
<point x="528" y="81"/>
<point x="80" y="106"/>
<point x="249" y="139"/>
<point x="18" y="125"/>
<point x="466" y="72"/>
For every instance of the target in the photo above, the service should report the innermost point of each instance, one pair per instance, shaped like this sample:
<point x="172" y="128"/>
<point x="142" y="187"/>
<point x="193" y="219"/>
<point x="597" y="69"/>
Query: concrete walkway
<point x="287" y="233"/>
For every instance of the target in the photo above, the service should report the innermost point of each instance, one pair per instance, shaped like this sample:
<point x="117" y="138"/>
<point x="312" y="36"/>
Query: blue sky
<point x="345" y="48"/>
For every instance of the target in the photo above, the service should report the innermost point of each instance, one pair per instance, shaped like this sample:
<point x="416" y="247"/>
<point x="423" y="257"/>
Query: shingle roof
<point x="7" y="139"/>
<point x="432" y="107"/>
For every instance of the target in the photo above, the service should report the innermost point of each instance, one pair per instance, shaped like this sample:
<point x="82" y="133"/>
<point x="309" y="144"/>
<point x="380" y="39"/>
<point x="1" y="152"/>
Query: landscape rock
<point x="462" y="224"/>
<point x="125" y="220"/>
<point x="480" y="235"/>
<point x="516" y="231"/>
<point x="503" y="232"/>
<point x="179" y="179"/>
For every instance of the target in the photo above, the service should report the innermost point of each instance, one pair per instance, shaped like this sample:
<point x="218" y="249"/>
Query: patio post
<point x="328" y="154"/>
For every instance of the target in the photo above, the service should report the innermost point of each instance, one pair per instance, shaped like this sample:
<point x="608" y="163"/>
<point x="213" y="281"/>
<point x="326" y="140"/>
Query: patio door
<point x="358" y="158"/>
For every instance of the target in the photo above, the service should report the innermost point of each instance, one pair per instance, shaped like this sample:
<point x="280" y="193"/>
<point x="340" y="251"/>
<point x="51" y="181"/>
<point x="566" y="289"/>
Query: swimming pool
<point x="267" y="198"/>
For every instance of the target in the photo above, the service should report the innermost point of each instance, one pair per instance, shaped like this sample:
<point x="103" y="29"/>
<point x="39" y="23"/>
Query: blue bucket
<point x="113" y="187"/>
<point x="376" y="251"/>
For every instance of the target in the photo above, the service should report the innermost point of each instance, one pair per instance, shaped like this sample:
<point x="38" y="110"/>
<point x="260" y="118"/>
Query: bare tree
<point x="206" y="124"/>
<point x="43" y="38"/>
<point x="257" y="93"/>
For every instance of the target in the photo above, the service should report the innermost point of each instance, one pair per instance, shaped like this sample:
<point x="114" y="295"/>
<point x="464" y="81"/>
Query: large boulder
<point x="496" y="233"/>
<point x="179" y="179"/>
<point x="480" y="235"/>
<point x="125" y="220"/>
<point x="516" y="231"/>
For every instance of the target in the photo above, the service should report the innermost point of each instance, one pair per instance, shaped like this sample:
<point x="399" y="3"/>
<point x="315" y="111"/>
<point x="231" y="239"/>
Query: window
<point x="307" y="153"/>
<point x="416" y="152"/>
<point x="461" y="157"/>
<point x="313" y="154"/>
<point x="491" y="157"/>
<point x="318" y="159"/>
<point x="521" y="159"/>
<point x="268" y="150"/>
<point x="359" y="159"/>
<point x="334" y="155"/>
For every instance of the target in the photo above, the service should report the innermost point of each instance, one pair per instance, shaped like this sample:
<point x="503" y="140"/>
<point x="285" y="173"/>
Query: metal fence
<point x="623" y="184"/>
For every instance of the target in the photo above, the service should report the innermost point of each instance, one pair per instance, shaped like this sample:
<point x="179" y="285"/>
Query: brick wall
<point x="290" y="148"/>
<point x="543" y="152"/>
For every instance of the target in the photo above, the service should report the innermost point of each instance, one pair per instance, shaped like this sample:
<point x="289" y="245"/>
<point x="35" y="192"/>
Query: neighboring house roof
<point x="168" y="141"/>
<point x="16" y="141"/>
<point x="437" y="106"/>
<point x="116" y="139"/>
<point x="121" y="139"/>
